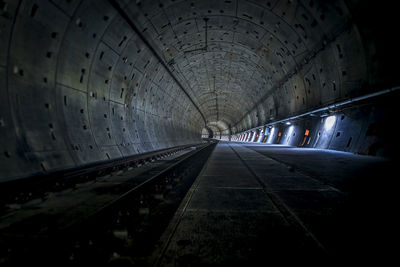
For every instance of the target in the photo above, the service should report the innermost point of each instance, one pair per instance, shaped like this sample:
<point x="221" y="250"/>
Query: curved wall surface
<point x="78" y="86"/>
<point x="362" y="129"/>
<point x="84" y="81"/>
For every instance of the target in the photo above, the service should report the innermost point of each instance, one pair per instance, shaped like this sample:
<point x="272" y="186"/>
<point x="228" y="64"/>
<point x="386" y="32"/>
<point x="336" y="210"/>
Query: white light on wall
<point x="329" y="122"/>
<point x="271" y="133"/>
<point x="260" y="136"/>
<point x="289" y="133"/>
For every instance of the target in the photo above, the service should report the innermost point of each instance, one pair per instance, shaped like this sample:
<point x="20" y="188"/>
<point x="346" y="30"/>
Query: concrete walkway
<point x="252" y="206"/>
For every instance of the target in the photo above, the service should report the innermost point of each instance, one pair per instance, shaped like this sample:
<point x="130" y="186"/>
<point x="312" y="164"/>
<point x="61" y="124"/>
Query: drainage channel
<point x="124" y="231"/>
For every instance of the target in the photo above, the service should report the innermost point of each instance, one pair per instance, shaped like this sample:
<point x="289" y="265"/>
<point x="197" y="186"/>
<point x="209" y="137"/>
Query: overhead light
<point x="288" y="123"/>
<point x="325" y="114"/>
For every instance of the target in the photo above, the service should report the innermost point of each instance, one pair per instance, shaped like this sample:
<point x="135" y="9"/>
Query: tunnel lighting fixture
<point x="289" y="133"/>
<point x="261" y="135"/>
<point x="271" y="134"/>
<point x="329" y="122"/>
<point x="288" y="123"/>
<point x="323" y="115"/>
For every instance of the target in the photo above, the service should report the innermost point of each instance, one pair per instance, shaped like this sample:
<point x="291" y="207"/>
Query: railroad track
<point x="22" y="190"/>
<point x="123" y="230"/>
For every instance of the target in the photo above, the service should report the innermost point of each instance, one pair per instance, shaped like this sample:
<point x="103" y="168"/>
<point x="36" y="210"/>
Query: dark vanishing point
<point x="199" y="132"/>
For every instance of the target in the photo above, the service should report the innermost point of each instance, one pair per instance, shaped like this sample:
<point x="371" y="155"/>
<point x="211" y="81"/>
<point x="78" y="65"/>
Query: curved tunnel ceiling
<point x="84" y="81"/>
<point x="260" y="57"/>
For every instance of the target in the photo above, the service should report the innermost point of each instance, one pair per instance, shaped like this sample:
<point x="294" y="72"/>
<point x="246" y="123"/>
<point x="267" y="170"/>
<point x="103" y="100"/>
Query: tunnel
<point x="90" y="84"/>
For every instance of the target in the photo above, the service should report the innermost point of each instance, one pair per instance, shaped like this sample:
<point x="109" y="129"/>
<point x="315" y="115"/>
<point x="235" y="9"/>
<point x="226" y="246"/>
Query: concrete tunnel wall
<point x="366" y="130"/>
<point x="78" y="85"/>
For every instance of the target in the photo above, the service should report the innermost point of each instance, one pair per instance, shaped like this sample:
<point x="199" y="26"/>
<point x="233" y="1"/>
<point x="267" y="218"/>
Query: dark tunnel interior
<point x="94" y="82"/>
